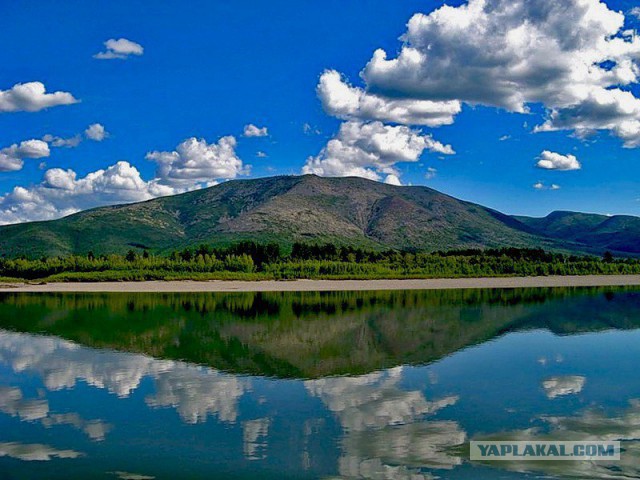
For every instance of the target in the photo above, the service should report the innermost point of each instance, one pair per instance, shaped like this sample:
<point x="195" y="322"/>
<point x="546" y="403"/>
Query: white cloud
<point x="29" y="452"/>
<point x="614" y="110"/>
<point x="431" y="173"/>
<point x="504" y="138"/>
<point x="32" y="97"/>
<point x="252" y="131"/>
<point x="119" y="49"/>
<point x="195" y="392"/>
<point x="261" y="154"/>
<point x="195" y="162"/>
<point x="542" y="186"/>
<point x="370" y="149"/>
<point x="374" y="400"/>
<point x="393" y="179"/>
<point x="573" y="57"/>
<point x="590" y="424"/>
<point x="556" y="161"/>
<point x="62" y="193"/>
<point x="11" y="158"/>
<point x="55" y="141"/>
<point x="96" y="430"/>
<point x="310" y="130"/>
<point x="565" y="385"/>
<point x="14" y="404"/>
<point x="132" y="476"/>
<point x="376" y="413"/>
<point x="255" y="434"/>
<point x="635" y="11"/>
<point x="96" y="132"/>
<point x="347" y="102"/>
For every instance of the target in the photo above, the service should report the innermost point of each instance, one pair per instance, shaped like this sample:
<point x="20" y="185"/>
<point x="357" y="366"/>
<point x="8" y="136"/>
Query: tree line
<point x="253" y="260"/>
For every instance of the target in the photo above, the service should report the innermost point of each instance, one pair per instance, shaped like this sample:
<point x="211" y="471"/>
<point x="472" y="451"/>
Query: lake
<point x="348" y="385"/>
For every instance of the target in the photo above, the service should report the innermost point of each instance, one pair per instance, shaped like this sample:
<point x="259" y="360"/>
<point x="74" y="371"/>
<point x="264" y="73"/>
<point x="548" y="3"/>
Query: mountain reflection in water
<point x="379" y="385"/>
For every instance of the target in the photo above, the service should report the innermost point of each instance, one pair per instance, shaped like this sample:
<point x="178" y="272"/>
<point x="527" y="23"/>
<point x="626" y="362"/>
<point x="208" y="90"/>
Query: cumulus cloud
<point x="614" y="110"/>
<point x="592" y="424"/>
<point x="402" y="452"/>
<point x="96" y="430"/>
<point x="431" y="173"/>
<point x="556" y="161"/>
<point x="503" y="53"/>
<point x="563" y="385"/>
<point x="195" y="162"/>
<point x="347" y="102"/>
<point x="11" y="158"/>
<point x="14" y="404"/>
<point x="374" y="400"/>
<point x="371" y="149"/>
<point x="392" y="179"/>
<point x="195" y="392"/>
<point x="310" y="130"/>
<point x="635" y="11"/>
<point x="32" y="97"/>
<point x="29" y="452"/>
<point x="254" y="438"/>
<point x="96" y="132"/>
<point x="62" y="193"/>
<point x="542" y="186"/>
<point x="119" y="49"/>
<point x="375" y="412"/>
<point x="252" y="131"/>
<point x="572" y="57"/>
<point x="132" y="476"/>
<point x="55" y="141"/>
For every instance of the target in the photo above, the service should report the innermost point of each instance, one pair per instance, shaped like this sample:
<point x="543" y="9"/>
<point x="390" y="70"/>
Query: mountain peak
<point x="285" y="209"/>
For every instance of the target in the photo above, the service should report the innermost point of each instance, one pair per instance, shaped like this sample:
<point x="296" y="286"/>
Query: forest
<point x="254" y="261"/>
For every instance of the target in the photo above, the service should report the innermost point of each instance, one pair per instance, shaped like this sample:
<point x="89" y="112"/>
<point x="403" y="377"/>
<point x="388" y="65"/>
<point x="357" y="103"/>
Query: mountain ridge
<point x="285" y="209"/>
<point x="617" y="233"/>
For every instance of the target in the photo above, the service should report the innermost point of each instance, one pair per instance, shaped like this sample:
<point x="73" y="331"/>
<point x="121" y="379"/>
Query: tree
<point x="131" y="256"/>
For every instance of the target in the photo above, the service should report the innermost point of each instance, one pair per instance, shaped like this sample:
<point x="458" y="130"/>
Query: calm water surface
<point x="350" y="385"/>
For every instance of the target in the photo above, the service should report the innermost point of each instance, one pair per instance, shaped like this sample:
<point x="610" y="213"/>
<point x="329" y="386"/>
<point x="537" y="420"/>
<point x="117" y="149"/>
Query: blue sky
<point x="208" y="69"/>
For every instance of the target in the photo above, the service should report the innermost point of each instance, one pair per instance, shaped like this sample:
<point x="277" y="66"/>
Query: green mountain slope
<point x="285" y="209"/>
<point x="618" y="233"/>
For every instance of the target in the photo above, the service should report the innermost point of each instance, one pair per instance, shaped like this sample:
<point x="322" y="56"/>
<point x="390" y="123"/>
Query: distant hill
<point x="617" y="233"/>
<point x="285" y="209"/>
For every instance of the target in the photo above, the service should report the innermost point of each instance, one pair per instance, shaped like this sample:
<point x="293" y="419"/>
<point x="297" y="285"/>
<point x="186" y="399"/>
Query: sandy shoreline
<point x="329" y="285"/>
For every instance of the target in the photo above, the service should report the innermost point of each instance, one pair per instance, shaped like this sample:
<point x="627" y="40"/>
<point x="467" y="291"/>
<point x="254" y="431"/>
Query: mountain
<point x="617" y="233"/>
<point x="313" y="334"/>
<point x="285" y="209"/>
